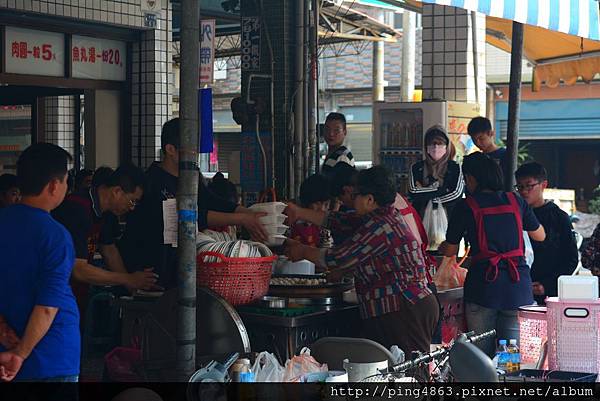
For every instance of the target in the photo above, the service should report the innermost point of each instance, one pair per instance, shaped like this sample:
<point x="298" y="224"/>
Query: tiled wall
<point x="60" y="122"/>
<point x="448" y="71"/>
<point x="154" y="84"/>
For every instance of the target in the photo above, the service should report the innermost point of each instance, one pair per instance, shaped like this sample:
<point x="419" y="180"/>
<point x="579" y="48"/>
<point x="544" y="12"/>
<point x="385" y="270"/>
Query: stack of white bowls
<point x="273" y="221"/>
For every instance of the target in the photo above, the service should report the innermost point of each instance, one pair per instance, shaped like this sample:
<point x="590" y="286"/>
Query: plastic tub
<point x="276" y="240"/>
<point x="273" y="219"/>
<point x="573" y="335"/>
<point x="284" y="266"/>
<point x="278" y="229"/>
<point x="269" y="207"/>
<point x="532" y="332"/>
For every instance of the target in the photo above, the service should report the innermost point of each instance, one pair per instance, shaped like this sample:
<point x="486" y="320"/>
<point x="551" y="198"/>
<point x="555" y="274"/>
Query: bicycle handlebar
<point x="470" y="337"/>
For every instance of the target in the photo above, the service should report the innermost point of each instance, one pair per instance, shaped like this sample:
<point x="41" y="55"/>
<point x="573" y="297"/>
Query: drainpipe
<point x="297" y="172"/>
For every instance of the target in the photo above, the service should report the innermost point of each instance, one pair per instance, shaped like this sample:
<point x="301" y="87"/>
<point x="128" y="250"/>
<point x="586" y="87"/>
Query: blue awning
<point x="574" y="17"/>
<point x="553" y="119"/>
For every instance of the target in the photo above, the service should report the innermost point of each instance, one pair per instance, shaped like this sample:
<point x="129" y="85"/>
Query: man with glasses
<point x="91" y="218"/>
<point x="557" y="254"/>
<point x="335" y="134"/>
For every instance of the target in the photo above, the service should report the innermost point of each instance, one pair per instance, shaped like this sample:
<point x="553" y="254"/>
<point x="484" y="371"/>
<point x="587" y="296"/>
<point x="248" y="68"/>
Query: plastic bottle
<point x="515" y="356"/>
<point x="502" y="355"/>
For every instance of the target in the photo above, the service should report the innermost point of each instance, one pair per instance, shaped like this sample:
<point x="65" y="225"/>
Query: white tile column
<point x="448" y="54"/>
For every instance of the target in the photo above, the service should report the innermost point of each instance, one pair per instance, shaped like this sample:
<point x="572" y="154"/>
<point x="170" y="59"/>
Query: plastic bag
<point x="449" y="274"/>
<point x="267" y="369"/>
<point x="435" y="222"/>
<point x="301" y="365"/>
<point x="529" y="257"/>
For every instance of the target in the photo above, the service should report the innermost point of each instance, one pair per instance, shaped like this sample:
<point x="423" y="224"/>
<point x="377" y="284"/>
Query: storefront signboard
<point x="250" y="44"/>
<point x="207" y="51"/>
<point x="94" y="58"/>
<point x="34" y="52"/>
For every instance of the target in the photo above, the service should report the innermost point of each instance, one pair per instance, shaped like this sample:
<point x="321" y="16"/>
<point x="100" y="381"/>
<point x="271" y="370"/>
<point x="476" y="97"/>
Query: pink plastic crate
<point x="532" y="332"/>
<point x="573" y="335"/>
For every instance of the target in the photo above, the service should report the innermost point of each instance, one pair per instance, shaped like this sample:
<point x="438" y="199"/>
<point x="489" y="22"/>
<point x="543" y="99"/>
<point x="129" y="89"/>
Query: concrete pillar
<point x="103" y="126"/>
<point x="407" y="87"/>
<point x="452" y="40"/>
<point x="379" y="66"/>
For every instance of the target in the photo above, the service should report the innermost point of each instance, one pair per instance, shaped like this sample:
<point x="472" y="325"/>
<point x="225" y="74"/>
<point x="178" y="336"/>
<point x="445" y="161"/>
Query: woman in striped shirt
<point x="386" y="260"/>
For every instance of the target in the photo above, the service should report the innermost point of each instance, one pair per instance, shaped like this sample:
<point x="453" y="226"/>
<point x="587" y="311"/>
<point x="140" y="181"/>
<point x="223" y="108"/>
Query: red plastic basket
<point x="239" y="281"/>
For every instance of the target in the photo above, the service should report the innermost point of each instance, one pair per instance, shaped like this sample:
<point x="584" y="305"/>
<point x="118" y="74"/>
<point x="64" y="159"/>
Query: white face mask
<point x="436" y="151"/>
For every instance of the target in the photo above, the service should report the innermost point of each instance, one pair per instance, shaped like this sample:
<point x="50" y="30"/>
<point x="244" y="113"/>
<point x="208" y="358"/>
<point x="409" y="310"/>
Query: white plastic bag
<point x="435" y="222"/>
<point x="301" y="365"/>
<point x="267" y="369"/>
<point x="529" y="257"/>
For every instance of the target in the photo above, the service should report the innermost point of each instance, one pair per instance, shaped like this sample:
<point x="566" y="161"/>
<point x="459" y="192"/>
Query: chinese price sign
<point x="250" y="44"/>
<point x="207" y="51"/>
<point x="34" y="52"/>
<point x="98" y="58"/>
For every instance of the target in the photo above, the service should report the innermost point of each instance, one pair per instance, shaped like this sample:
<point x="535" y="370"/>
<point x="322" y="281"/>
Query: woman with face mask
<point x="437" y="177"/>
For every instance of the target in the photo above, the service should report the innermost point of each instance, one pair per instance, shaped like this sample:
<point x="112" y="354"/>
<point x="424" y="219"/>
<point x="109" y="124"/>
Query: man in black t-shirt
<point x="557" y="255"/>
<point x="90" y="218"/>
<point x="143" y="244"/>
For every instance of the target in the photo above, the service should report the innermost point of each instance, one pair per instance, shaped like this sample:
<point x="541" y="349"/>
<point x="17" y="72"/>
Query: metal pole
<point x="514" y="103"/>
<point x="312" y="88"/>
<point x="187" y="190"/>
<point x="299" y="100"/>
<point x="407" y="87"/>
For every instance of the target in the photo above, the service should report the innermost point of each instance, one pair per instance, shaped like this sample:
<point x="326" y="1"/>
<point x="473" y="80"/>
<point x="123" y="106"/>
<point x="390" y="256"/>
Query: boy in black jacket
<point x="557" y="254"/>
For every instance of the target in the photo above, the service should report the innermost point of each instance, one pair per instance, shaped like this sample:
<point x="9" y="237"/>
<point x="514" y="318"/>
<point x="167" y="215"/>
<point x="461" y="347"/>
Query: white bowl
<point x="284" y="266"/>
<point x="273" y="219"/>
<point x="276" y="240"/>
<point x="275" y="229"/>
<point x="269" y="207"/>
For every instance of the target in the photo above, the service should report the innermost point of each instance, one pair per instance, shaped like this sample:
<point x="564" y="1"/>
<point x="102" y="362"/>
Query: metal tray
<point x="310" y="291"/>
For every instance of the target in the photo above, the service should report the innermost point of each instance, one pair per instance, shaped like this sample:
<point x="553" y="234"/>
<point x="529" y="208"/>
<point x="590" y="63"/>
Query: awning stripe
<point x="567" y="16"/>
<point x="554" y="15"/>
<point x="532" y="12"/>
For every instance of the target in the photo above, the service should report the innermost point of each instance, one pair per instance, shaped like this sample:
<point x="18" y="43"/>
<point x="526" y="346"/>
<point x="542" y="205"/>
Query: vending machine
<point x="399" y="129"/>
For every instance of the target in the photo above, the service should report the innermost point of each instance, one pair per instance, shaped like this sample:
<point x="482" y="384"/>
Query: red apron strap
<point x="494" y="258"/>
<point x="479" y="225"/>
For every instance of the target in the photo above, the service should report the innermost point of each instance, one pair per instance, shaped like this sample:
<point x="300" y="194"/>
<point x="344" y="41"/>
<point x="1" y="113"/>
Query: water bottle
<point x="515" y="356"/>
<point x="502" y="355"/>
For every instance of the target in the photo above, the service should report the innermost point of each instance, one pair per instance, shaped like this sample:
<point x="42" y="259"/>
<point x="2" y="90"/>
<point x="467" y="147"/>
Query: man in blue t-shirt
<point x="36" y="300"/>
<point x="480" y="131"/>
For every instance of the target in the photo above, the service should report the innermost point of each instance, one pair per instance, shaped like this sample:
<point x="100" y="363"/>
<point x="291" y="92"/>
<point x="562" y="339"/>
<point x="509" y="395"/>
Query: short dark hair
<point x="379" y="182"/>
<point x="224" y="188"/>
<point x="315" y="188"/>
<point x="82" y="175"/>
<point x="336" y="117"/>
<point x="128" y="177"/>
<point x="38" y="165"/>
<point x="170" y="134"/>
<point x="532" y="169"/>
<point x="478" y="125"/>
<point x="340" y="176"/>
<point x="485" y="170"/>
<point x="101" y="175"/>
<point x="8" y="181"/>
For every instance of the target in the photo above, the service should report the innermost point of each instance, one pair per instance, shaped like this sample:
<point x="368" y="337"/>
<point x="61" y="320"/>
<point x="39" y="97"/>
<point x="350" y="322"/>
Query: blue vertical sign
<point x="206" y="120"/>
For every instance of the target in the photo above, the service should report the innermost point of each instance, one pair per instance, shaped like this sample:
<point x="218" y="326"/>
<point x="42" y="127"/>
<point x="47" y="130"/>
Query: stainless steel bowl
<point x="273" y="302"/>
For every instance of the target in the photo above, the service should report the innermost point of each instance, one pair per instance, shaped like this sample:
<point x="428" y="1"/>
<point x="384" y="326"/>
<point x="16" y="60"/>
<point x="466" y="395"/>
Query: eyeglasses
<point x="133" y="202"/>
<point x="527" y="187"/>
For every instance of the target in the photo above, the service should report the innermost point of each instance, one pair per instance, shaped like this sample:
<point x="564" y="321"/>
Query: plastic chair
<point x="333" y="350"/>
